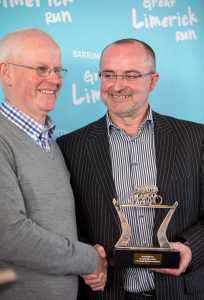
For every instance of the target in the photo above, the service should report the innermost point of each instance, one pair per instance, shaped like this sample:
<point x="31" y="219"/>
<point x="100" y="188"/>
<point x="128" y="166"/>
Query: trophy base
<point x="145" y="257"/>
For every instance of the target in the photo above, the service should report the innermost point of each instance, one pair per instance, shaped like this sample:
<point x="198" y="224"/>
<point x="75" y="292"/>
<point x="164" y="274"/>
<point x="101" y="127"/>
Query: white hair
<point x="12" y="43"/>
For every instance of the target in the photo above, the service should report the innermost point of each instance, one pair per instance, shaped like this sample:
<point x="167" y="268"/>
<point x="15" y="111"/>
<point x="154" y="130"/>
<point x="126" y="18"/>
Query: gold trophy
<point x="146" y="257"/>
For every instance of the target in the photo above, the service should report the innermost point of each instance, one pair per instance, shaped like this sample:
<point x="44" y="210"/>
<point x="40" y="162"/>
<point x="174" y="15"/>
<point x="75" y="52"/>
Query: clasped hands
<point x="97" y="280"/>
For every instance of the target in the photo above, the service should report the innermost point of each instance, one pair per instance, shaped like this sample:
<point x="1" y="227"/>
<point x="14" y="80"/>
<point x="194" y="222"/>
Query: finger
<point x="98" y="289"/>
<point x="93" y="282"/>
<point x="175" y="272"/>
<point x="90" y="277"/>
<point x="98" y="286"/>
<point x="100" y="278"/>
<point x="100" y="250"/>
<point x="7" y="276"/>
<point x="185" y="261"/>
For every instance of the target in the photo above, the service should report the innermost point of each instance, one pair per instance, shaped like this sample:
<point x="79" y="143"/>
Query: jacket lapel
<point x="165" y="152"/>
<point x="99" y="156"/>
<point x="165" y="146"/>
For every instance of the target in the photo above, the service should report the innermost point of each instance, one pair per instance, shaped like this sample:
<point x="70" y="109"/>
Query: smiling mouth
<point x="48" y="92"/>
<point x="120" y="97"/>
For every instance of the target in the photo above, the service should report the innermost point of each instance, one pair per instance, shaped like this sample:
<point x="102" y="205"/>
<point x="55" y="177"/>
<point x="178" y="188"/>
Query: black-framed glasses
<point x="128" y="76"/>
<point x="44" y="71"/>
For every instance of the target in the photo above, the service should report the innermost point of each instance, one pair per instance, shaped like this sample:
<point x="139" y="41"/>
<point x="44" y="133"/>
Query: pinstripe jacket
<point x="180" y="177"/>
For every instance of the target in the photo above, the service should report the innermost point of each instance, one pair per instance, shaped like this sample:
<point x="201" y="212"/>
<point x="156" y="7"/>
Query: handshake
<point x="97" y="280"/>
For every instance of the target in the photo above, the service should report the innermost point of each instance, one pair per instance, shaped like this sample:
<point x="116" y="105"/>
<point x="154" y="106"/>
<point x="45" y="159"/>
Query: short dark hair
<point x="147" y="47"/>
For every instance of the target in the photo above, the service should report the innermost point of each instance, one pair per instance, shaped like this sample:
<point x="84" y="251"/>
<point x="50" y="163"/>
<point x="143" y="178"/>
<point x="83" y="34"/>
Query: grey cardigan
<point x="38" y="236"/>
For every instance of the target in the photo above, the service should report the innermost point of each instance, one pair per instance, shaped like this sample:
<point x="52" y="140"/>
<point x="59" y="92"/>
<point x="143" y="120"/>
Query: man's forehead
<point x="36" y="45"/>
<point x="129" y="47"/>
<point x="126" y="56"/>
<point x="123" y="58"/>
<point x="125" y="52"/>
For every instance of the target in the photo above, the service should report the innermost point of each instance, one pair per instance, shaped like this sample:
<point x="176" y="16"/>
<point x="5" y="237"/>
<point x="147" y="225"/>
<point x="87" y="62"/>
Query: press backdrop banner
<point x="175" y="29"/>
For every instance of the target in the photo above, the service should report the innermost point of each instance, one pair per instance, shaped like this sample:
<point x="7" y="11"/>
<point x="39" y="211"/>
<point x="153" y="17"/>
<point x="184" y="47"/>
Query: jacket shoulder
<point x="83" y="131"/>
<point x="175" y="123"/>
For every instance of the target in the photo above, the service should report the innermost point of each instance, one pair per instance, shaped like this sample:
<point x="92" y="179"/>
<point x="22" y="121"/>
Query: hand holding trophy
<point x="148" y="257"/>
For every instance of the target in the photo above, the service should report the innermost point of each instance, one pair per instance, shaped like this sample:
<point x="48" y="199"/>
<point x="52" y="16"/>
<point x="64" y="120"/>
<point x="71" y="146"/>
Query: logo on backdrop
<point x="86" y="91"/>
<point x="183" y="22"/>
<point x="62" y="15"/>
<point x="84" y="54"/>
<point x="89" y="94"/>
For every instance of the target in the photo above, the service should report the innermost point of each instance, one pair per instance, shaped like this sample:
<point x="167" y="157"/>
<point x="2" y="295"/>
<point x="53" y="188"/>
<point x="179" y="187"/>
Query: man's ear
<point x="5" y="74"/>
<point x="155" y="78"/>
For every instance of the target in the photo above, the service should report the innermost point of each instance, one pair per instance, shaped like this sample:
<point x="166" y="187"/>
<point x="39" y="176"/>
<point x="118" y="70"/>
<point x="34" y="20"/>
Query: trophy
<point x="145" y="257"/>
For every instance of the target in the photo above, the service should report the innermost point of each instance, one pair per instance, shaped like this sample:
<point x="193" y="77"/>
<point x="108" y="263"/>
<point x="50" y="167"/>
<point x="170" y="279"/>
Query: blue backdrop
<point x="175" y="29"/>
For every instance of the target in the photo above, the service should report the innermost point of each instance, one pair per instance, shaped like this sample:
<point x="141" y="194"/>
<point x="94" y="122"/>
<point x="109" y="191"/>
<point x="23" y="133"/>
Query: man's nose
<point x="54" y="77"/>
<point x="119" y="82"/>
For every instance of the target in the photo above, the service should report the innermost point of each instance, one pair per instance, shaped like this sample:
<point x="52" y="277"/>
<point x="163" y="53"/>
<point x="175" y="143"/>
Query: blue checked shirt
<point x="40" y="133"/>
<point x="134" y="165"/>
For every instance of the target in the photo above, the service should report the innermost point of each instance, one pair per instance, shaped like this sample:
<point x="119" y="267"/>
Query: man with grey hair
<point x="38" y="236"/>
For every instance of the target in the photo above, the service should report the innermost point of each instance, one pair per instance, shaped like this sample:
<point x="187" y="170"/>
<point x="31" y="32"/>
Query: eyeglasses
<point x="129" y="76"/>
<point x="44" y="71"/>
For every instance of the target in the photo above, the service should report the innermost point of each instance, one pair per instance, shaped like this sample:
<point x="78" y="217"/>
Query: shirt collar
<point x="148" y="120"/>
<point x="25" y="122"/>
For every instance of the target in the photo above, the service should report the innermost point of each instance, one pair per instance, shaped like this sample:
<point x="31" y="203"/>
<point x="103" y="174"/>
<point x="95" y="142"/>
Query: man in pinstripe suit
<point x="130" y="147"/>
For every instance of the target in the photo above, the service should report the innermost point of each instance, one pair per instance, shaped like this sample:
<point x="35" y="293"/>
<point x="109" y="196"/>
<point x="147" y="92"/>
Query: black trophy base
<point x="145" y="258"/>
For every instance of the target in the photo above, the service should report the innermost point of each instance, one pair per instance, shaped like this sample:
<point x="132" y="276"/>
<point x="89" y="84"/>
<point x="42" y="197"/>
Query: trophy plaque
<point x="145" y="257"/>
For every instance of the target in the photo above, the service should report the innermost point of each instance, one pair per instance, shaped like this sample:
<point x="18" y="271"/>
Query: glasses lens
<point x="45" y="71"/>
<point x="42" y="71"/>
<point x="107" y="76"/>
<point x="61" y="72"/>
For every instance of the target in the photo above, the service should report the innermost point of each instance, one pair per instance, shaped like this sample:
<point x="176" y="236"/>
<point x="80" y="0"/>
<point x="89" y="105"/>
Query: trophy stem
<point x="161" y="233"/>
<point x="126" y="230"/>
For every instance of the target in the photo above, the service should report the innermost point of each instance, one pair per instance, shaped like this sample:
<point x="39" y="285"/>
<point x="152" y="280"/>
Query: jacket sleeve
<point x="194" y="234"/>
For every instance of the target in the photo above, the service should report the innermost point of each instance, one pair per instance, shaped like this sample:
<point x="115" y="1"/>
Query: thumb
<point x="7" y="276"/>
<point x="100" y="250"/>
